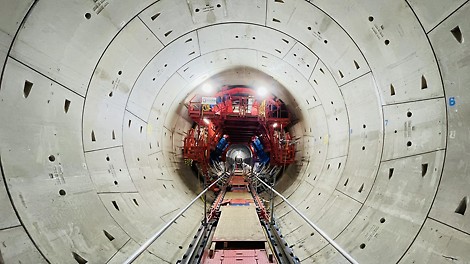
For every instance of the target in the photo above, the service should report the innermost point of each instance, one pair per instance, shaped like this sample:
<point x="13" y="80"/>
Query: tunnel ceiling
<point x="92" y="114"/>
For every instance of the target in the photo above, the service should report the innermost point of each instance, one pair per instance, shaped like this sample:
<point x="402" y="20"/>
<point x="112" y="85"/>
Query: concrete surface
<point x="92" y="119"/>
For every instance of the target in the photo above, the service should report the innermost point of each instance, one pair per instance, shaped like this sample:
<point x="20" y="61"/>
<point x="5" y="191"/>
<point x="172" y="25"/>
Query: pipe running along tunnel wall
<point x="92" y="119"/>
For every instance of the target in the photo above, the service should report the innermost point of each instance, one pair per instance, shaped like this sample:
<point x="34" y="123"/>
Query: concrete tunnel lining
<point x="352" y="72"/>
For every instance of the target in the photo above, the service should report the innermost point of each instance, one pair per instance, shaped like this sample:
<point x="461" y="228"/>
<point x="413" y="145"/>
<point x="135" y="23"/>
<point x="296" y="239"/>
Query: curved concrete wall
<point x="92" y="119"/>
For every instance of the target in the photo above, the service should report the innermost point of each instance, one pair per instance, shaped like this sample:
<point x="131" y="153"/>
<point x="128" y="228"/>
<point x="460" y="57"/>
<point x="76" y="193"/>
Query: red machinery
<point x="236" y="112"/>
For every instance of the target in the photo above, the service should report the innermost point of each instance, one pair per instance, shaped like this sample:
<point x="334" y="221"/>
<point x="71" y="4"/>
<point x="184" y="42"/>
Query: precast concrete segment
<point x="92" y="119"/>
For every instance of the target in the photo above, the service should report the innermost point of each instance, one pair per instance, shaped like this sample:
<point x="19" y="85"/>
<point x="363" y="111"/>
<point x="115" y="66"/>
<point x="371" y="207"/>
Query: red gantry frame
<point x="237" y="113"/>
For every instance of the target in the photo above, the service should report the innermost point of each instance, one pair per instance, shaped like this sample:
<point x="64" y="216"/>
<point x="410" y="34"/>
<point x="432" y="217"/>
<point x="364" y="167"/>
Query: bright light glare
<point x="275" y="125"/>
<point x="206" y="121"/>
<point x="262" y="91"/>
<point x="207" y="88"/>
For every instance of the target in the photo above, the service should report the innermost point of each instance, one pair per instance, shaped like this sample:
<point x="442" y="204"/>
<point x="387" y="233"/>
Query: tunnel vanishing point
<point x="94" y="112"/>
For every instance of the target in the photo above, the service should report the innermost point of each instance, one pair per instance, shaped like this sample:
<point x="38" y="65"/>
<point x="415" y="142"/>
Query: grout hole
<point x="107" y="158"/>
<point x="27" y="88"/>
<point x="66" y="105"/>
<point x="62" y="192"/>
<point x="424" y="169"/>
<point x="371" y="18"/>
<point x="462" y="206"/>
<point x="87" y="15"/>
<point x="79" y="258"/>
<point x="108" y="235"/>
<point x="457" y="34"/>
<point x="115" y="205"/>
<point x="93" y="138"/>
<point x="196" y="10"/>
<point x="362" y="246"/>
<point x="424" y="83"/>
<point x="382" y="220"/>
<point x="409" y="143"/>
<point x="387" y="42"/>
<point x="116" y="183"/>
<point x="51" y="158"/>
<point x="390" y="173"/>
<point x="119" y="72"/>
<point x="325" y="41"/>
<point x="409" y="114"/>
<point x="363" y="147"/>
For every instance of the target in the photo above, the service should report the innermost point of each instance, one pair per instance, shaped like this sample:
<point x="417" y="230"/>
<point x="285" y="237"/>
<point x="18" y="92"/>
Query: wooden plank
<point x="239" y="223"/>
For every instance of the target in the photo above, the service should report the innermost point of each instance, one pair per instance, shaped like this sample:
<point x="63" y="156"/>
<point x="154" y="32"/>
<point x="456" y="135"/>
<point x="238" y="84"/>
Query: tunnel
<point x="93" y="114"/>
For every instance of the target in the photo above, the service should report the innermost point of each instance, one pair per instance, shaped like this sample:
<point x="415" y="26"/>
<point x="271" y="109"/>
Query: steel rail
<point x="323" y="234"/>
<point x="149" y="242"/>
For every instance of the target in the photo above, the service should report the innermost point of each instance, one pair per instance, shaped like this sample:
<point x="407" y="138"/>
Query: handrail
<point x="323" y="234"/>
<point x="149" y="242"/>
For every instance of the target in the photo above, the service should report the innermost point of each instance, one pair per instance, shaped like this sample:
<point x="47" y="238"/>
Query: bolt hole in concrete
<point x="107" y="158"/>
<point x="362" y="246"/>
<point x="457" y="34"/>
<point x="66" y="105"/>
<point x="115" y="205"/>
<point x="51" y="158"/>
<point x="62" y="192"/>
<point x="462" y="206"/>
<point x="79" y="258"/>
<point x="387" y="42"/>
<point x="392" y="90"/>
<point x="108" y="235"/>
<point x="390" y="173"/>
<point x="424" y="83"/>
<point x="87" y="15"/>
<point x="424" y="169"/>
<point x="27" y="88"/>
<point x="382" y="220"/>
<point x="409" y="143"/>
<point x="119" y="72"/>
<point x="115" y="183"/>
<point x="409" y="114"/>
<point x="371" y="18"/>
